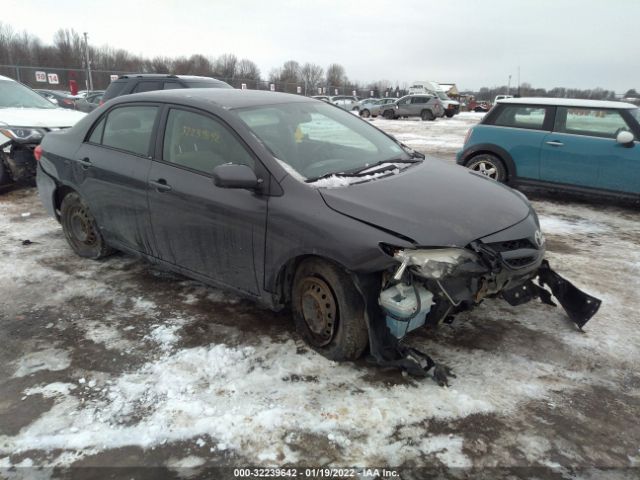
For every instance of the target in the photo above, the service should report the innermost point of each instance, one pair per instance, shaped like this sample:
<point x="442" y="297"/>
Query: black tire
<point x="328" y="311"/>
<point x="449" y="114"/>
<point x="388" y="114"/>
<point x="80" y="228"/>
<point x="489" y="165"/>
<point x="427" y="115"/>
<point x="5" y="175"/>
<point x="365" y="113"/>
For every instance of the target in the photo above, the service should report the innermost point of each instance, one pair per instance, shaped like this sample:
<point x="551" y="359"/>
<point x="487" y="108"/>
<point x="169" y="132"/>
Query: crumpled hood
<point x="39" y="117"/>
<point x="434" y="204"/>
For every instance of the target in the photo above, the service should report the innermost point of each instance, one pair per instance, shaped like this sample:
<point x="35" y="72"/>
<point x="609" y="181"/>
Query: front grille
<point x="520" y="262"/>
<point x="511" y="245"/>
<point x="517" y="253"/>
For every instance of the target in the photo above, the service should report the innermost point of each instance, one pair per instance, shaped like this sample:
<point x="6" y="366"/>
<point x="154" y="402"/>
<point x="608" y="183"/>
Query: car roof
<point x="567" y="102"/>
<point x="226" y="98"/>
<point x="164" y="75"/>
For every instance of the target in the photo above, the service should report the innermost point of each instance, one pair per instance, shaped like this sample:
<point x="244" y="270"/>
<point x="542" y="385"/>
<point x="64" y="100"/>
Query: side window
<point x="521" y="116"/>
<point x="589" y="121"/>
<point x="419" y="100"/>
<point x="147" y="86"/>
<point x="96" y="134"/>
<point x="405" y="101"/>
<point x="199" y="142"/>
<point x="129" y="128"/>
<point x="172" y="85"/>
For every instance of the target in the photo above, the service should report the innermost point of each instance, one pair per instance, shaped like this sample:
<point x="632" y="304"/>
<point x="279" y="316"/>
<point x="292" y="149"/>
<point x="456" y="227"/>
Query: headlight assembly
<point x="434" y="263"/>
<point x="22" y="134"/>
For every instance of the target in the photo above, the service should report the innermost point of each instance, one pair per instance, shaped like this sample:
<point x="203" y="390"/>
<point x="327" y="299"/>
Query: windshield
<point x="317" y="139"/>
<point x="16" y="95"/>
<point x="442" y="96"/>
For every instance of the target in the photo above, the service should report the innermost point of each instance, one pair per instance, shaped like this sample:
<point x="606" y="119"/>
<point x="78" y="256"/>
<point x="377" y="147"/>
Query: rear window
<point x="115" y="89"/>
<point x="521" y="116"/>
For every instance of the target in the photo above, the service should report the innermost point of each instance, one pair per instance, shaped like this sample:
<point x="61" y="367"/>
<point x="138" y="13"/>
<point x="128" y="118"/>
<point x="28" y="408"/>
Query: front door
<point x="582" y="147"/>
<point x="215" y="232"/>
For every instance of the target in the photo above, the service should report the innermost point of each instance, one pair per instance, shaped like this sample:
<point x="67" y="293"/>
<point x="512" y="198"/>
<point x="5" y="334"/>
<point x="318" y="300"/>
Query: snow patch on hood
<point x="40" y="117"/>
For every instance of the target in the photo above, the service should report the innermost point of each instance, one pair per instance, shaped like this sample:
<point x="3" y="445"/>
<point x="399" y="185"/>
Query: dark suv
<point x="147" y="82"/>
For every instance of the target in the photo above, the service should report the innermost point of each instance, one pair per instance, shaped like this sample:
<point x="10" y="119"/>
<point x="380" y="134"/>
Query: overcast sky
<point x="570" y="43"/>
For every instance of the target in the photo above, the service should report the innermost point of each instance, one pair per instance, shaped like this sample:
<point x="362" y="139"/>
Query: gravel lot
<point x="119" y="363"/>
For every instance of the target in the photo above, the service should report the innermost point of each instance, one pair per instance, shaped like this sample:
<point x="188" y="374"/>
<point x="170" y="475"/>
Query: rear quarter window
<point x="115" y="89"/>
<point x="520" y="116"/>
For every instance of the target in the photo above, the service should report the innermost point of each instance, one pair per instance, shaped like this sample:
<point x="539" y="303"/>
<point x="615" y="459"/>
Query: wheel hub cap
<point x="318" y="309"/>
<point x="487" y="169"/>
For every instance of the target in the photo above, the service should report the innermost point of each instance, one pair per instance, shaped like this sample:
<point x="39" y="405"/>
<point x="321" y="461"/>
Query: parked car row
<point x="84" y="102"/>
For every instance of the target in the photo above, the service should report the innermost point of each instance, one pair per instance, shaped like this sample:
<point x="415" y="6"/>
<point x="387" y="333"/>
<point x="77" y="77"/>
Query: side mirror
<point x="625" y="138"/>
<point x="232" y="175"/>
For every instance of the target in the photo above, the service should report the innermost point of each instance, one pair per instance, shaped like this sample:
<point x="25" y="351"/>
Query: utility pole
<point x="509" y="86"/>
<point x="518" y="80"/>
<point x="86" y="52"/>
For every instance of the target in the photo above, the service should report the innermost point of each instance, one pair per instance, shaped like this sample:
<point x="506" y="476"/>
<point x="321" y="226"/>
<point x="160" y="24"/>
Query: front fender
<point x="505" y="156"/>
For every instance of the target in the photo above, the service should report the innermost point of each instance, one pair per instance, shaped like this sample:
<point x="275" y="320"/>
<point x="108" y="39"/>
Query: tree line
<point x="67" y="50"/>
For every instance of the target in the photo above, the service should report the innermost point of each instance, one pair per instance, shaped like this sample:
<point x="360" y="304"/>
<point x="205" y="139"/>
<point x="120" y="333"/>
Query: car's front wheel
<point x="489" y="165"/>
<point x="365" y="113"/>
<point x="388" y="114"/>
<point x="80" y="228"/>
<point x="328" y="311"/>
<point x="427" y="115"/>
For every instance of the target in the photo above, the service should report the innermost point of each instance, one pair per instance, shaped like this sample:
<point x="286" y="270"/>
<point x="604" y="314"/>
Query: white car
<point x="25" y="117"/>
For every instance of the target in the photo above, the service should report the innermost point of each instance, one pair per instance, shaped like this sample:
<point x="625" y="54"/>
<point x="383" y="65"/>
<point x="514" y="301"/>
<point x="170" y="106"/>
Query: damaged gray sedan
<point x="299" y="204"/>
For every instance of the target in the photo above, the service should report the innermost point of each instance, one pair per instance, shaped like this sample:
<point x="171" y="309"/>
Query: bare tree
<point x="225" y="66"/>
<point x="247" y="70"/>
<point x="336" y="75"/>
<point x="311" y="74"/>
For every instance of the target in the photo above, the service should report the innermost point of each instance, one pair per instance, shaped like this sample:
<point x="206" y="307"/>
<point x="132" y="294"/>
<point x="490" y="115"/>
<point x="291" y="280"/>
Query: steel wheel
<point x="328" y="310"/>
<point x="319" y="310"/>
<point x="80" y="228"/>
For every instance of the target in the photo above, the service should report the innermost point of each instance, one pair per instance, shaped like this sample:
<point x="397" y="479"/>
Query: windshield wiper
<point x="364" y="170"/>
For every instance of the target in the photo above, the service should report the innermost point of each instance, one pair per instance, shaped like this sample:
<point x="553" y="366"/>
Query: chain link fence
<point x="52" y="78"/>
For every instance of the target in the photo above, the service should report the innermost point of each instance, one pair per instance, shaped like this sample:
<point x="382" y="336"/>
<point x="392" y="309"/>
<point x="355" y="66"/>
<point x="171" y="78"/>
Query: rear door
<point x="215" y="232"/>
<point x="520" y="130"/>
<point x="582" y="150"/>
<point x="111" y="171"/>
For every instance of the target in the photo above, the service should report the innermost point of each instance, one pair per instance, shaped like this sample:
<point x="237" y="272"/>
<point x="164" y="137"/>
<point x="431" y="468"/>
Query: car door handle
<point x="555" y="143"/>
<point x="160" y="185"/>
<point x="85" y="162"/>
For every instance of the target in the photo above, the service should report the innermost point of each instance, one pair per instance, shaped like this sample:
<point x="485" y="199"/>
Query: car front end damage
<point x="427" y="286"/>
<point x="16" y="152"/>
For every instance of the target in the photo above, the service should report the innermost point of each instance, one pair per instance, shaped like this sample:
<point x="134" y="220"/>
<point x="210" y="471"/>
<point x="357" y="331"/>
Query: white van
<point x="451" y="107"/>
<point x="25" y="117"/>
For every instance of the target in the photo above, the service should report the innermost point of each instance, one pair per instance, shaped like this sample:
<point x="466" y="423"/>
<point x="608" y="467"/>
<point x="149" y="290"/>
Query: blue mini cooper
<point x="578" y="145"/>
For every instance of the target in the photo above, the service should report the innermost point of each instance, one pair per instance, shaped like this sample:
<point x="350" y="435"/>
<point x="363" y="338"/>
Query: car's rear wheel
<point x="449" y="114"/>
<point x="328" y="311"/>
<point x="388" y="114"/>
<point x="489" y="165"/>
<point x="365" y="113"/>
<point x="80" y="228"/>
<point x="427" y="115"/>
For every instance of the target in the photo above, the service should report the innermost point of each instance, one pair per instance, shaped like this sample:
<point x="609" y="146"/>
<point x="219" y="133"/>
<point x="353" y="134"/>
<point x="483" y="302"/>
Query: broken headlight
<point x="434" y="263"/>
<point x="22" y="134"/>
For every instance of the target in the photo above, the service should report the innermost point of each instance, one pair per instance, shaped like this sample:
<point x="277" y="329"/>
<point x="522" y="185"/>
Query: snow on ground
<point x="111" y="355"/>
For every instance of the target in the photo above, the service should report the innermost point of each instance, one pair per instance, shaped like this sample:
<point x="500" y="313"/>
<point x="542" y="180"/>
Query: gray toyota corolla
<point x="297" y="203"/>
